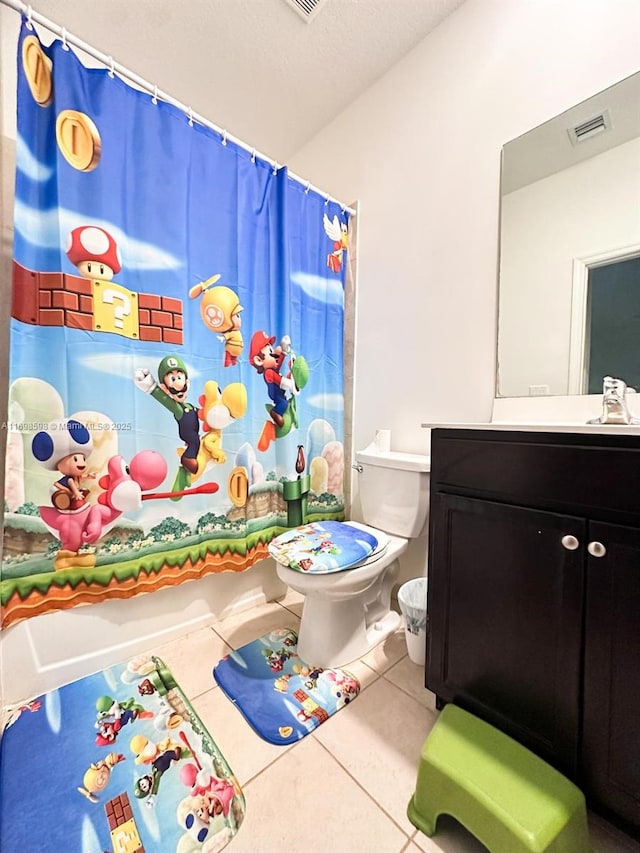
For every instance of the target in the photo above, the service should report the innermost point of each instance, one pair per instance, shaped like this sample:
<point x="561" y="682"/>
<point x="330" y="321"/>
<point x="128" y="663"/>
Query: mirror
<point x="569" y="286"/>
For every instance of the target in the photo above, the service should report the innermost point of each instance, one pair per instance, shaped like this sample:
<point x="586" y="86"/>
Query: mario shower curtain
<point x="176" y="346"/>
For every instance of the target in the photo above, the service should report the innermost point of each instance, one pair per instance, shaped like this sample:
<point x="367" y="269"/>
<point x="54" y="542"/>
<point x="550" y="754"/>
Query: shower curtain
<point x="176" y="346"/>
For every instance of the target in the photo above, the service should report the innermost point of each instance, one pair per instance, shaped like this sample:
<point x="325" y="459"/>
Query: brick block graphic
<point x="122" y="825"/>
<point x="58" y="299"/>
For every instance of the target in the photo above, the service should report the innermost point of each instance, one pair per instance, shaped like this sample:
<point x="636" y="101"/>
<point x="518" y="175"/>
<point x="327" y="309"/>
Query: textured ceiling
<point x="254" y="67"/>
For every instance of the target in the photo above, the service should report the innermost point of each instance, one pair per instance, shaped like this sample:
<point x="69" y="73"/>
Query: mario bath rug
<point x="117" y="761"/>
<point x="282" y="697"/>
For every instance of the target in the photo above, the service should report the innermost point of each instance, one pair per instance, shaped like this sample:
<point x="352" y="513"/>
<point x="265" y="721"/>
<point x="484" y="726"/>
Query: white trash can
<point x="412" y="598"/>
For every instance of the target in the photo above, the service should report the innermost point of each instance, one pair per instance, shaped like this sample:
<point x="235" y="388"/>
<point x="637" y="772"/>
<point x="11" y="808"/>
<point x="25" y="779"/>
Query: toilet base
<point x="334" y="633"/>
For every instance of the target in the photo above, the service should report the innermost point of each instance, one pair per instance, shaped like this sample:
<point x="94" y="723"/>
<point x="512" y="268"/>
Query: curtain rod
<point x="116" y="67"/>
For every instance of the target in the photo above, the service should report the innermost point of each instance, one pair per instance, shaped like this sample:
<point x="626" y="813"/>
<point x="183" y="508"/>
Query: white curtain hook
<point x="29" y="18"/>
<point x="275" y="168"/>
<point x="307" y="188"/>
<point x="224" y="137"/>
<point x="344" y="210"/>
<point x="190" y="114"/>
<point x="111" y="68"/>
<point x="253" y="156"/>
<point x="154" y="100"/>
<point x="326" y="201"/>
<point x="65" y="46"/>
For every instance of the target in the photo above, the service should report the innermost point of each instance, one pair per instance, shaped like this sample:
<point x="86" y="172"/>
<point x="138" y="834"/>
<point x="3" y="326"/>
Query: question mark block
<point x="125" y="838"/>
<point x="115" y="309"/>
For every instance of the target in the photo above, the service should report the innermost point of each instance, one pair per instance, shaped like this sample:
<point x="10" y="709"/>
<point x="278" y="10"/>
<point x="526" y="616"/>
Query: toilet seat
<point x="328" y="547"/>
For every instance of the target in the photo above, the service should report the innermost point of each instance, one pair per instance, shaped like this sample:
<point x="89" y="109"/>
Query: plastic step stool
<point x="509" y="798"/>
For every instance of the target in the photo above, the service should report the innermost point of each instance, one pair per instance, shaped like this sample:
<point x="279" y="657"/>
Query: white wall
<point x="421" y="150"/>
<point x="589" y="209"/>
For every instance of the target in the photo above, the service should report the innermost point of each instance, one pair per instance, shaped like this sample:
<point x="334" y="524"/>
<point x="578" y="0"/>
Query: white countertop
<point x="594" y="429"/>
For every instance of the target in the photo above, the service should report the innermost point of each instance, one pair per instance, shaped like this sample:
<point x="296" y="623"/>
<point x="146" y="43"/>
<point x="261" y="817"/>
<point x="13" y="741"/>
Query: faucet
<point x="614" y="403"/>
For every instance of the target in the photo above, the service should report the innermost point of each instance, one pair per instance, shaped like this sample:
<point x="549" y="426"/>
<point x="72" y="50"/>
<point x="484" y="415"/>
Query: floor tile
<point x="451" y="837"/>
<point x="242" y="628"/>
<point x="365" y="675"/>
<point x="306" y="802"/>
<point x="363" y="761"/>
<point x="388" y="653"/>
<point x="191" y="659"/>
<point x="246" y="752"/>
<point x="409" y="676"/>
<point x="378" y="739"/>
<point x="293" y="601"/>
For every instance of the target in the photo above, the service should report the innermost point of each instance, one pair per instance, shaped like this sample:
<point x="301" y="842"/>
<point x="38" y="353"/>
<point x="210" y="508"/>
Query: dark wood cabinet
<point x="534" y="597"/>
<point x="611" y="717"/>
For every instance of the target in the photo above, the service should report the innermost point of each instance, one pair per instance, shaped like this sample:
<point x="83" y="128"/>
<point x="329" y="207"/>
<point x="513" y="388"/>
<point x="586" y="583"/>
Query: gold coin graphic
<point x="238" y="486"/>
<point x="78" y="140"/>
<point x="37" y="69"/>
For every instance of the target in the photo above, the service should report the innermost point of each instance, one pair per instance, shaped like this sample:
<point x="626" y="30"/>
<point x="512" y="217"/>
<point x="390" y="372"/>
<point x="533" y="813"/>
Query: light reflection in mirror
<point x="570" y="206"/>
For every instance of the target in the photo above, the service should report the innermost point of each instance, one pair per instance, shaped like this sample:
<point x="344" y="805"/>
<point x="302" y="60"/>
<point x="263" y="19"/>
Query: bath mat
<point x="281" y="696"/>
<point x="117" y="761"/>
<point x="321" y="548"/>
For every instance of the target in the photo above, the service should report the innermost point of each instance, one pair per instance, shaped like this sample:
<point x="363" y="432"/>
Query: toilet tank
<point x="394" y="491"/>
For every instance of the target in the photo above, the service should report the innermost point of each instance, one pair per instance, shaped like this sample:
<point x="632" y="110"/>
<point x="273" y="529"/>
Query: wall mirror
<point x="569" y="285"/>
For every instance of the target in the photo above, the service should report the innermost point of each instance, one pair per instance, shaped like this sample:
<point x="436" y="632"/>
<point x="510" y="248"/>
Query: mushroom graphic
<point x="94" y="252"/>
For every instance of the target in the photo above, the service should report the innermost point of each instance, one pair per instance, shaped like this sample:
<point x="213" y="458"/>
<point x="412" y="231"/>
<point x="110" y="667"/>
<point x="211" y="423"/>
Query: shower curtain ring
<point x="190" y="114"/>
<point x="29" y="18"/>
<point x="224" y="137"/>
<point x="326" y="201"/>
<point x="154" y="100"/>
<point x="65" y="46"/>
<point x="275" y="168"/>
<point x="307" y="188"/>
<point x="253" y="155"/>
<point x="111" y="67"/>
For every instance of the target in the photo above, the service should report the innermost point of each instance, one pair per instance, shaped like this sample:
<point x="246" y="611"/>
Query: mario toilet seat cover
<point x="321" y="548"/>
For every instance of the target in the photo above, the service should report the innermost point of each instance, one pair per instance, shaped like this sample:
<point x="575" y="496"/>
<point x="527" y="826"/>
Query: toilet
<point x="347" y="612"/>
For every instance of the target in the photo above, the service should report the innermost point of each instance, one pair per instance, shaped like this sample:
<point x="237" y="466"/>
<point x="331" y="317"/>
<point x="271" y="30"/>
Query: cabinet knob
<point x="596" y="549"/>
<point x="570" y="542"/>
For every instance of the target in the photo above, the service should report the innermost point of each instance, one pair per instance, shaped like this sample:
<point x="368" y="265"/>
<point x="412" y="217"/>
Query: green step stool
<point x="508" y="798"/>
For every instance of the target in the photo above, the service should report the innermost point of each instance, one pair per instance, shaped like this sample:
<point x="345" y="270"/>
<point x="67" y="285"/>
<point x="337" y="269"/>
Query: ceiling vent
<point x="307" y="9"/>
<point x="590" y="127"/>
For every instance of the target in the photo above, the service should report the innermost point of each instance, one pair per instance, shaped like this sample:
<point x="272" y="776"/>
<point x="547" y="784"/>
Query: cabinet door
<point x="505" y="619"/>
<point x="611" y="736"/>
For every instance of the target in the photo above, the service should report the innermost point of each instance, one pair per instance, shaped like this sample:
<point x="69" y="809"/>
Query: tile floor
<point x="346" y="786"/>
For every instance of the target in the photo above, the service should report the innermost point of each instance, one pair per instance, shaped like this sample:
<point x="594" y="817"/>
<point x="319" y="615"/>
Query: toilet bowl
<point x="348" y="612"/>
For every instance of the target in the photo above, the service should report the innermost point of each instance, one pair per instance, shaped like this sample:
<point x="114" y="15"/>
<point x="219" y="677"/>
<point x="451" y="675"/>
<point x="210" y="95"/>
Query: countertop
<point x="593" y="429"/>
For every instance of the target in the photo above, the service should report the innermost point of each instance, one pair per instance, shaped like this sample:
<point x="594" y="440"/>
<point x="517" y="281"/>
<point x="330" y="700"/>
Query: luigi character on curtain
<point x="171" y="390"/>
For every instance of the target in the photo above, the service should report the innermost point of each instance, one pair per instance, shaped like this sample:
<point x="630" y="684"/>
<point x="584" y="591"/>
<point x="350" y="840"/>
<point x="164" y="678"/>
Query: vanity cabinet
<point x="534" y="597"/>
